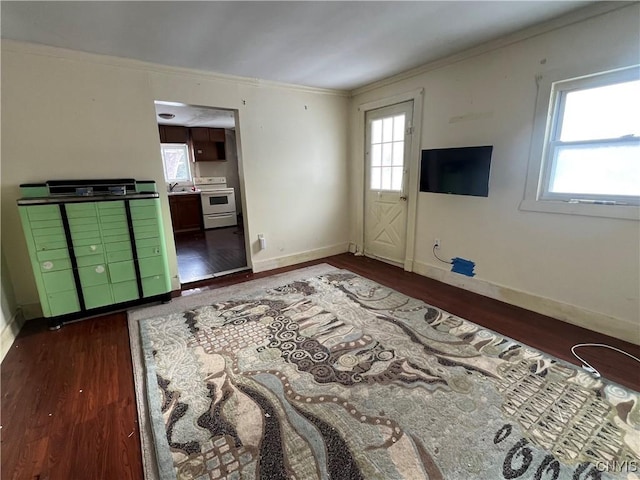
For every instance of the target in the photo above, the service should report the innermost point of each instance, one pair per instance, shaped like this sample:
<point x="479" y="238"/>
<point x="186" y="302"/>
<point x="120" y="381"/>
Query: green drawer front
<point x="144" y="252"/>
<point x="97" y="296"/>
<point x="118" y="218"/>
<point x="87" y="260"/>
<point x="47" y="232"/>
<point x="122" y="271"/>
<point x="117" y="246"/>
<point x="55" y="265"/>
<point x="52" y="254"/>
<point x="91" y="249"/>
<point x="62" y="303"/>
<point x="43" y="212"/>
<point x="145" y="222"/>
<point x="55" y="282"/>
<point x="151" y="266"/>
<point x="93" y="275"/>
<point x="84" y="233"/>
<point x="86" y="242"/>
<point x="111" y="206"/>
<point x="114" y="229"/>
<point x="76" y="223"/>
<point x="142" y="235"/>
<point x="145" y="202"/>
<point x="125" y="291"/>
<point x="143" y="212"/>
<point x="140" y="229"/>
<point x="155" y="285"/>
<point x="46" y="223"/>
<point x="75" y="210"/>
<point x="51" y="243"/>
<point x="119" y="256"/>
<point x="115" y="238"/>
<point x="147" y="242"/>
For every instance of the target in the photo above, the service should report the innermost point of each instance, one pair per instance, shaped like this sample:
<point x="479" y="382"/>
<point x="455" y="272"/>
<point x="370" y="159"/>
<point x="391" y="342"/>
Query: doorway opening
<point x="204" y="185"/>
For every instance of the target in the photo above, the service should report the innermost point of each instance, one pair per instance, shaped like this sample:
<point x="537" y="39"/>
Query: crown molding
<point x="594" y="10"/>
<point x="28" y="48"/>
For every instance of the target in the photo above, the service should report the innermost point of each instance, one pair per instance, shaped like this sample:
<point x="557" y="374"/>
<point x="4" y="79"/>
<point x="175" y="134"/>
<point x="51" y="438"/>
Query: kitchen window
<point x="590" y="145"/>
<point x="175" y="159"/>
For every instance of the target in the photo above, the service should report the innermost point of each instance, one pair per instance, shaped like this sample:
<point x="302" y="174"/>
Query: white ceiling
<point x="191" y="116"/>
<point x="340" y="45"/>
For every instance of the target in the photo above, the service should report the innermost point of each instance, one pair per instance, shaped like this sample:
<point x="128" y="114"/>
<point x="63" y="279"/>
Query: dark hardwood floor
<point x="203" y="254"/>
<point x="68" y="406"/>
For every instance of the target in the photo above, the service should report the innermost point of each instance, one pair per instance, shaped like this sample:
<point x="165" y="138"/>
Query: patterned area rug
<point x="320" y="373"/>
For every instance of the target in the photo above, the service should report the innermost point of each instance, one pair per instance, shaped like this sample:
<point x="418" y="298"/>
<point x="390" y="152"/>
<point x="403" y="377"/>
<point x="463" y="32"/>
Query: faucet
<point x="172" y="186"/>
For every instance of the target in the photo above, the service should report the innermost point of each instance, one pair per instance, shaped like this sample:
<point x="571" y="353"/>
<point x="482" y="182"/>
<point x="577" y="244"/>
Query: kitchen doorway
<point x="203" y="181"/>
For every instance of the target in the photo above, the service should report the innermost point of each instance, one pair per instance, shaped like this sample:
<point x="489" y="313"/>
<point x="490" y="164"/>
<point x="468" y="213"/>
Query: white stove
<point x="218" y="202"/>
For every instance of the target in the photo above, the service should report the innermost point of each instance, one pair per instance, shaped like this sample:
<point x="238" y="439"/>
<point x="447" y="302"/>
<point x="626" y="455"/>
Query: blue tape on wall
<point x="462" y="266"/>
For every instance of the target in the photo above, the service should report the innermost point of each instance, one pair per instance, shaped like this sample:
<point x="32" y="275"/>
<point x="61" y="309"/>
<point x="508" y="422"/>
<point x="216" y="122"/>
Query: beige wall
<point x="10" y="318"/>
<point x="68" y="114"/>
<point x="582" y="269"/>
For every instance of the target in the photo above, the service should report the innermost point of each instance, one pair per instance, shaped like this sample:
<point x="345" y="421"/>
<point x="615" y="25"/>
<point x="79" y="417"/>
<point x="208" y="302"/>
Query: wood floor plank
<point x="52" y="430"/>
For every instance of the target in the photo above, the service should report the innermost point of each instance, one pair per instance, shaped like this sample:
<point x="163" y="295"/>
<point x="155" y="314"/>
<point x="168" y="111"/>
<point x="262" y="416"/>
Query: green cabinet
<point x="93" y="254"/>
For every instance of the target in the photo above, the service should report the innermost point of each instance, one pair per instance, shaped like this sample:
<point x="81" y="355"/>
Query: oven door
<point x="218" y="201"/>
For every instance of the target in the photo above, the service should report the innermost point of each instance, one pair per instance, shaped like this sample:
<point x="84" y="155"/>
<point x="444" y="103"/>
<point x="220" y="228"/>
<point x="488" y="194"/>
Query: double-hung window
<point x="175" y="158"/>
<point x="591" y="152"/>
<point x="585" y="150"/>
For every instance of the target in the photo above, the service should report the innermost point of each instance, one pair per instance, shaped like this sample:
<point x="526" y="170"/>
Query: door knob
<point x="403" y="198"/>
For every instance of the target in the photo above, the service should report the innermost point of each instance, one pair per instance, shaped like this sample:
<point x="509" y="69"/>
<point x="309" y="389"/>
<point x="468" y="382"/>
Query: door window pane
<point x="387" y="149"/>
<point x="376" y="131"/>
<point x="398" y="153"/>
<point x="398" y="128"/>
<point x="376" y="155"/>
<point x="375" y="178"/>
<point x="387" y="129"/>
<point x="396" y="178"/>
<point x="386" y="178"/>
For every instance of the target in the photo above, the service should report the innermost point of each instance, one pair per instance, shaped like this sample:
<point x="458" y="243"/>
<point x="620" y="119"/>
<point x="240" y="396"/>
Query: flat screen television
<point x="458" y="171"/>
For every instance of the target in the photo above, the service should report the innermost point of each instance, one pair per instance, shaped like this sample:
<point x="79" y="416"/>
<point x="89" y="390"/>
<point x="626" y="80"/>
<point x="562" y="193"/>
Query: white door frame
<point x="413" y="165"/>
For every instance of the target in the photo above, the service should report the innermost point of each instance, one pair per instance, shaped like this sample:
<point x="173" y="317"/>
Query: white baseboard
<point x="10" y="332"/>
<point x="599" y="322"/>
<point x="285" y="261"/>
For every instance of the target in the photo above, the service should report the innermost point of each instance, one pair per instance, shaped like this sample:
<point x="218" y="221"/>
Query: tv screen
<point x="459" y="171"/>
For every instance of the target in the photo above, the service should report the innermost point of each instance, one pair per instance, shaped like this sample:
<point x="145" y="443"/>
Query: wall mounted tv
<point x="458" y="171"/>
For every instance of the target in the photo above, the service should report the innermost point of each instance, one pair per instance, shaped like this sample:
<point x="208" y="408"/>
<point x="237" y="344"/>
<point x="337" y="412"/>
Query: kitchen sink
<point x="184" y="192"/>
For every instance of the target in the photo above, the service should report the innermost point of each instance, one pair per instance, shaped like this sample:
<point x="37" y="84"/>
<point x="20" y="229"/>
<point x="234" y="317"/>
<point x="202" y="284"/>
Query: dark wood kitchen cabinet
<point x="208" y="144"/>
<point x="186" y="212"/>
<point x="173" y="134"/>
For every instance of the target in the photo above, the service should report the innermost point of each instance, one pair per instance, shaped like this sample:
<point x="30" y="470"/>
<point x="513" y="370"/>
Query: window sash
<point x="553" y="145"/>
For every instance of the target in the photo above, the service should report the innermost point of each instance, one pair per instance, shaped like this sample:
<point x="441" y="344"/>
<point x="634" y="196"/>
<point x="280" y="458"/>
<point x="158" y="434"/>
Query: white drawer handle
<point x="93" y="248"/>
<point x="47" y="265"/>
<point x="99" y="269"/>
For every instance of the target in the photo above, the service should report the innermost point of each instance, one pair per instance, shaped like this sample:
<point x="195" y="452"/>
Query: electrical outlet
<point x="436" y="243"/>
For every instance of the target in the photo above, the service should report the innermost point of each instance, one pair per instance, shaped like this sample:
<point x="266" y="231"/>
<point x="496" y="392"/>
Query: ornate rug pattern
<point x="337" y="377"/>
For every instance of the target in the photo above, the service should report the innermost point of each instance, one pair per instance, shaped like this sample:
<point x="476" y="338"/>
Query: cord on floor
<point x="587" y="366"/>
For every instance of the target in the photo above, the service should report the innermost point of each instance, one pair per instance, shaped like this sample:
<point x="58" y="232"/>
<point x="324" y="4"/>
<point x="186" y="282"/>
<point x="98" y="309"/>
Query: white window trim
<point x="535" y="198"/>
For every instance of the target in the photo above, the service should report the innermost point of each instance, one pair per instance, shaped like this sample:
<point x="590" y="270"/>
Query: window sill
<point x="623" y="212"/>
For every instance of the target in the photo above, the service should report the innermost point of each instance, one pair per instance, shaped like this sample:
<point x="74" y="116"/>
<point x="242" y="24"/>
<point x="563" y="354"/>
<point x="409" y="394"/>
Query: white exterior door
<point x="388" y="145"/>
